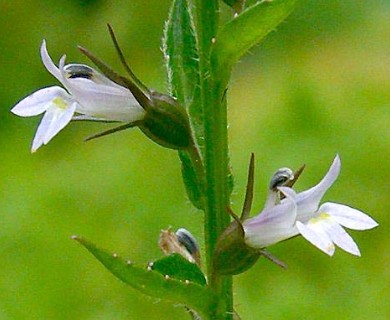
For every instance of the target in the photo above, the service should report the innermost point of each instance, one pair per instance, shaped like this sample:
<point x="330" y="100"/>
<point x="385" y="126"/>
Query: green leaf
<point x="177" y="267"/>
<point x="236" y="5"/>
<point x="191" y="181"/>
<point x="153" y="283"/>
<point x="182" y="62"/>
<point x="243" y="32"/>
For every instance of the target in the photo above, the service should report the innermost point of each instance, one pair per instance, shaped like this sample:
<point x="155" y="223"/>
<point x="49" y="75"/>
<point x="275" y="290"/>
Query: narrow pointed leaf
<point x="245" y="31"/>
<point x="182" y="62"/>
<point x="153" y="283"/>
<point x="177" y="267"/>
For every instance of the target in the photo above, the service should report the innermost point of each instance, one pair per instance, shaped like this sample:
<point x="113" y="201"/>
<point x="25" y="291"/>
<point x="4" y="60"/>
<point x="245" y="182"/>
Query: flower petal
<point x="266" y="236"/>
<point x="48" y="62"/>
<point x="288" y="192"/>
<point x="340" y="237"/>
<point x="38" y="102"/>
<point x="54" y="120"/>
<point x="309" y="200"/>
<point x="102" y="99"/>
<point x="271" y="226"/>
<point x="348" y="217"/>
<point x="314" y="233"/>
<point x="281" y="216"/>
<point x="105" y="102"/>
<point x="59" y="121"/>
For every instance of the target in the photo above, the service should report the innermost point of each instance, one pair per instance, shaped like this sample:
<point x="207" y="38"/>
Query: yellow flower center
<point x="320" y="217"/>
<point x="60" y="103"/>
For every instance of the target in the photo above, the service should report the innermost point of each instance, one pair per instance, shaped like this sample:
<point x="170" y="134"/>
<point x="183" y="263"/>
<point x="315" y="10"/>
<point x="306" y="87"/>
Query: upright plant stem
<point x="215" y="152"/>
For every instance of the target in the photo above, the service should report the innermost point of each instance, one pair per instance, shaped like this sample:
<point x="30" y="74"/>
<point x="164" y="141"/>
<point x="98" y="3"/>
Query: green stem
<point x="215" y="153"/>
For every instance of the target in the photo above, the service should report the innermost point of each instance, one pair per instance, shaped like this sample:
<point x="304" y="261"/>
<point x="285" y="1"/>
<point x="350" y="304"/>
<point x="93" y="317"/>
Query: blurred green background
<point x="318" y="86"/>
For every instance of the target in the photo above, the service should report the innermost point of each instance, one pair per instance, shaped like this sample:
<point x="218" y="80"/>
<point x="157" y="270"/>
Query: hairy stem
<point x="215" y="152"/>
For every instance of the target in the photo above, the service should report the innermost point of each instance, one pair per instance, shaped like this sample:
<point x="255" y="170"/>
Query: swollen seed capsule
<point x="166" y="122"/>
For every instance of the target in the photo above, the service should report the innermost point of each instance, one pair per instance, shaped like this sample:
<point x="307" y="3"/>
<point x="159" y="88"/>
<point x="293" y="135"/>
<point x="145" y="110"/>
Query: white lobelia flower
<point x="88" y="94"/>
<point x="320" y="225"/>
<point x="323" y="225"/>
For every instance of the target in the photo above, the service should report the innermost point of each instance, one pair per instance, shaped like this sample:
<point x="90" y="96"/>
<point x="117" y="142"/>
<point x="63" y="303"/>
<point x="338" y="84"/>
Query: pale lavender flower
<point x="320" y="225"/>
<point x="89" y="95"/>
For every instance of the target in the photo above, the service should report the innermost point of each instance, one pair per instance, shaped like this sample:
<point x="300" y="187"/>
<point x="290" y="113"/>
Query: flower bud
<point x="186" y="239"/>
<point x="166" y="122"/>
<point x="181" y="242"/>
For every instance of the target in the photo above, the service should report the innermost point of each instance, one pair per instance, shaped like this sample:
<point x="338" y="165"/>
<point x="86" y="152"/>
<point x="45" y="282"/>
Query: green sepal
<point x="140" y="95"/>
<point x="153" y="283"/>
<point x="177" y="267"/>
<point x="232" y="255"/>
<point x="243" y="32"/>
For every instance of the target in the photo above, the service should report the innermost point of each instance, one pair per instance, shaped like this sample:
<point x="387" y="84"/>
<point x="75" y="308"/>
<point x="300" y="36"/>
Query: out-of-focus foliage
<point x="320" y="85"/>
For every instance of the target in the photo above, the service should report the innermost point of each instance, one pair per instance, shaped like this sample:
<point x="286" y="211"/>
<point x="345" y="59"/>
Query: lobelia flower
<point x="88" y="94"/>
<point x="275" y="223"/>
<point x="320" y="225"/>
